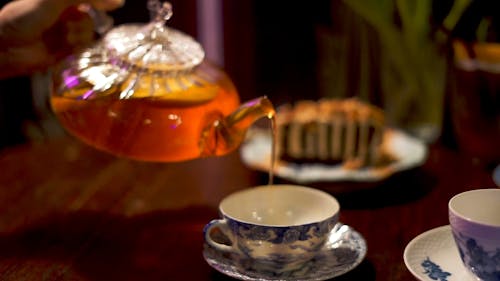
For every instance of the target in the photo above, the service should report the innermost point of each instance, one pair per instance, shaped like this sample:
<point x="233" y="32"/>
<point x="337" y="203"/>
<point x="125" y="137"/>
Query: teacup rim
<point x="467" y="218"/>
<point x="333" y="218"/>
<point x="334" y="215"/>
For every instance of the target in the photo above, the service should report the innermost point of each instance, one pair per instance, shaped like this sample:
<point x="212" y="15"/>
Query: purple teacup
<point x="475" y="222"/>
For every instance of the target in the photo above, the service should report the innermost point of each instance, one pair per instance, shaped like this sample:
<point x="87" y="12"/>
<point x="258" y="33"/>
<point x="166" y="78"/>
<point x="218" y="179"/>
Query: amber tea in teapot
<point x="146" y="92"/>
<point x="144" y="128"/>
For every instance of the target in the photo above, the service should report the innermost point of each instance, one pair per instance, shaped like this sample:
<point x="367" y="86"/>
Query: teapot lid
<point x="154" y="46"/>
<point x="140" y="60"/>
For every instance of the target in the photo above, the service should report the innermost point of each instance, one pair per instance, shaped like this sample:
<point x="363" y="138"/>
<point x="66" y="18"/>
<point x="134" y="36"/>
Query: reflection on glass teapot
<point x="146" y="92"/>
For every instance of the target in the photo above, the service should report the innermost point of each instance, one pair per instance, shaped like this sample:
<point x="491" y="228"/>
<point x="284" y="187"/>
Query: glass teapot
<point x="147" y="92"/>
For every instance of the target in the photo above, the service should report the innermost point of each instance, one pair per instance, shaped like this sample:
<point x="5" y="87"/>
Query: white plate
<point x="433" y="255"/>
<point x="409" y="152"/>
<point x="344" y="250"/>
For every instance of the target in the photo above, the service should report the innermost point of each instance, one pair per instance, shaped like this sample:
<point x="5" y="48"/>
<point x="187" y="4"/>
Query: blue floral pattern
<point x="484" y="264"/>
<point x="291" y="236"/>
<point x="278" y="235"/>
<point x="295" y="244"/>
<point x="434" y="271"/>
<point x="342" y="252"/>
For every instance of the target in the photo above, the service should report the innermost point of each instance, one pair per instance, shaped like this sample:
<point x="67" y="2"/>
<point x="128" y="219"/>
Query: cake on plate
<point x="331" y="131"/>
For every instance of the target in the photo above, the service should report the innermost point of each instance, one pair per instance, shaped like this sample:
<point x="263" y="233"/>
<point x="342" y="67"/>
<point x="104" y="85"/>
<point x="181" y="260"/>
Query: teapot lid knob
<point x="160" y="12"/>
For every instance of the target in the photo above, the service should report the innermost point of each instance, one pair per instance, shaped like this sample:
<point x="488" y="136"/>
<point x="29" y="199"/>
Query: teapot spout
<point x="225" y="134"/>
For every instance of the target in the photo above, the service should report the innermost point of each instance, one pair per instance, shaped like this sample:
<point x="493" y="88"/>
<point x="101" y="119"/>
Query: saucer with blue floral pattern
<point x="344" y="250"/>
<point x="433" y="255"/>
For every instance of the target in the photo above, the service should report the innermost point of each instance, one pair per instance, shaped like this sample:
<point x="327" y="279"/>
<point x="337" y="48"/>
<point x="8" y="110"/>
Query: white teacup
<point x="274" y="228"/>
<point x="475" y="222"/>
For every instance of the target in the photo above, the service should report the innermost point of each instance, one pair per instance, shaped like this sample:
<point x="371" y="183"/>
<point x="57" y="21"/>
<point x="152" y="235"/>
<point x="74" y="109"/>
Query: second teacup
<point x="274" y="228"/>
<point x="475" y="222"/>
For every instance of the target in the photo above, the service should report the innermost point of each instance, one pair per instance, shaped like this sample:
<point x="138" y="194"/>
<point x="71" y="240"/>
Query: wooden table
<point x="69" y="212"/>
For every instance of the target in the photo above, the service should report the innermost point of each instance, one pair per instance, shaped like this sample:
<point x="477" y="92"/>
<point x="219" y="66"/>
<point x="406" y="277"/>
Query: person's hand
<point x="35" y="34"/>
